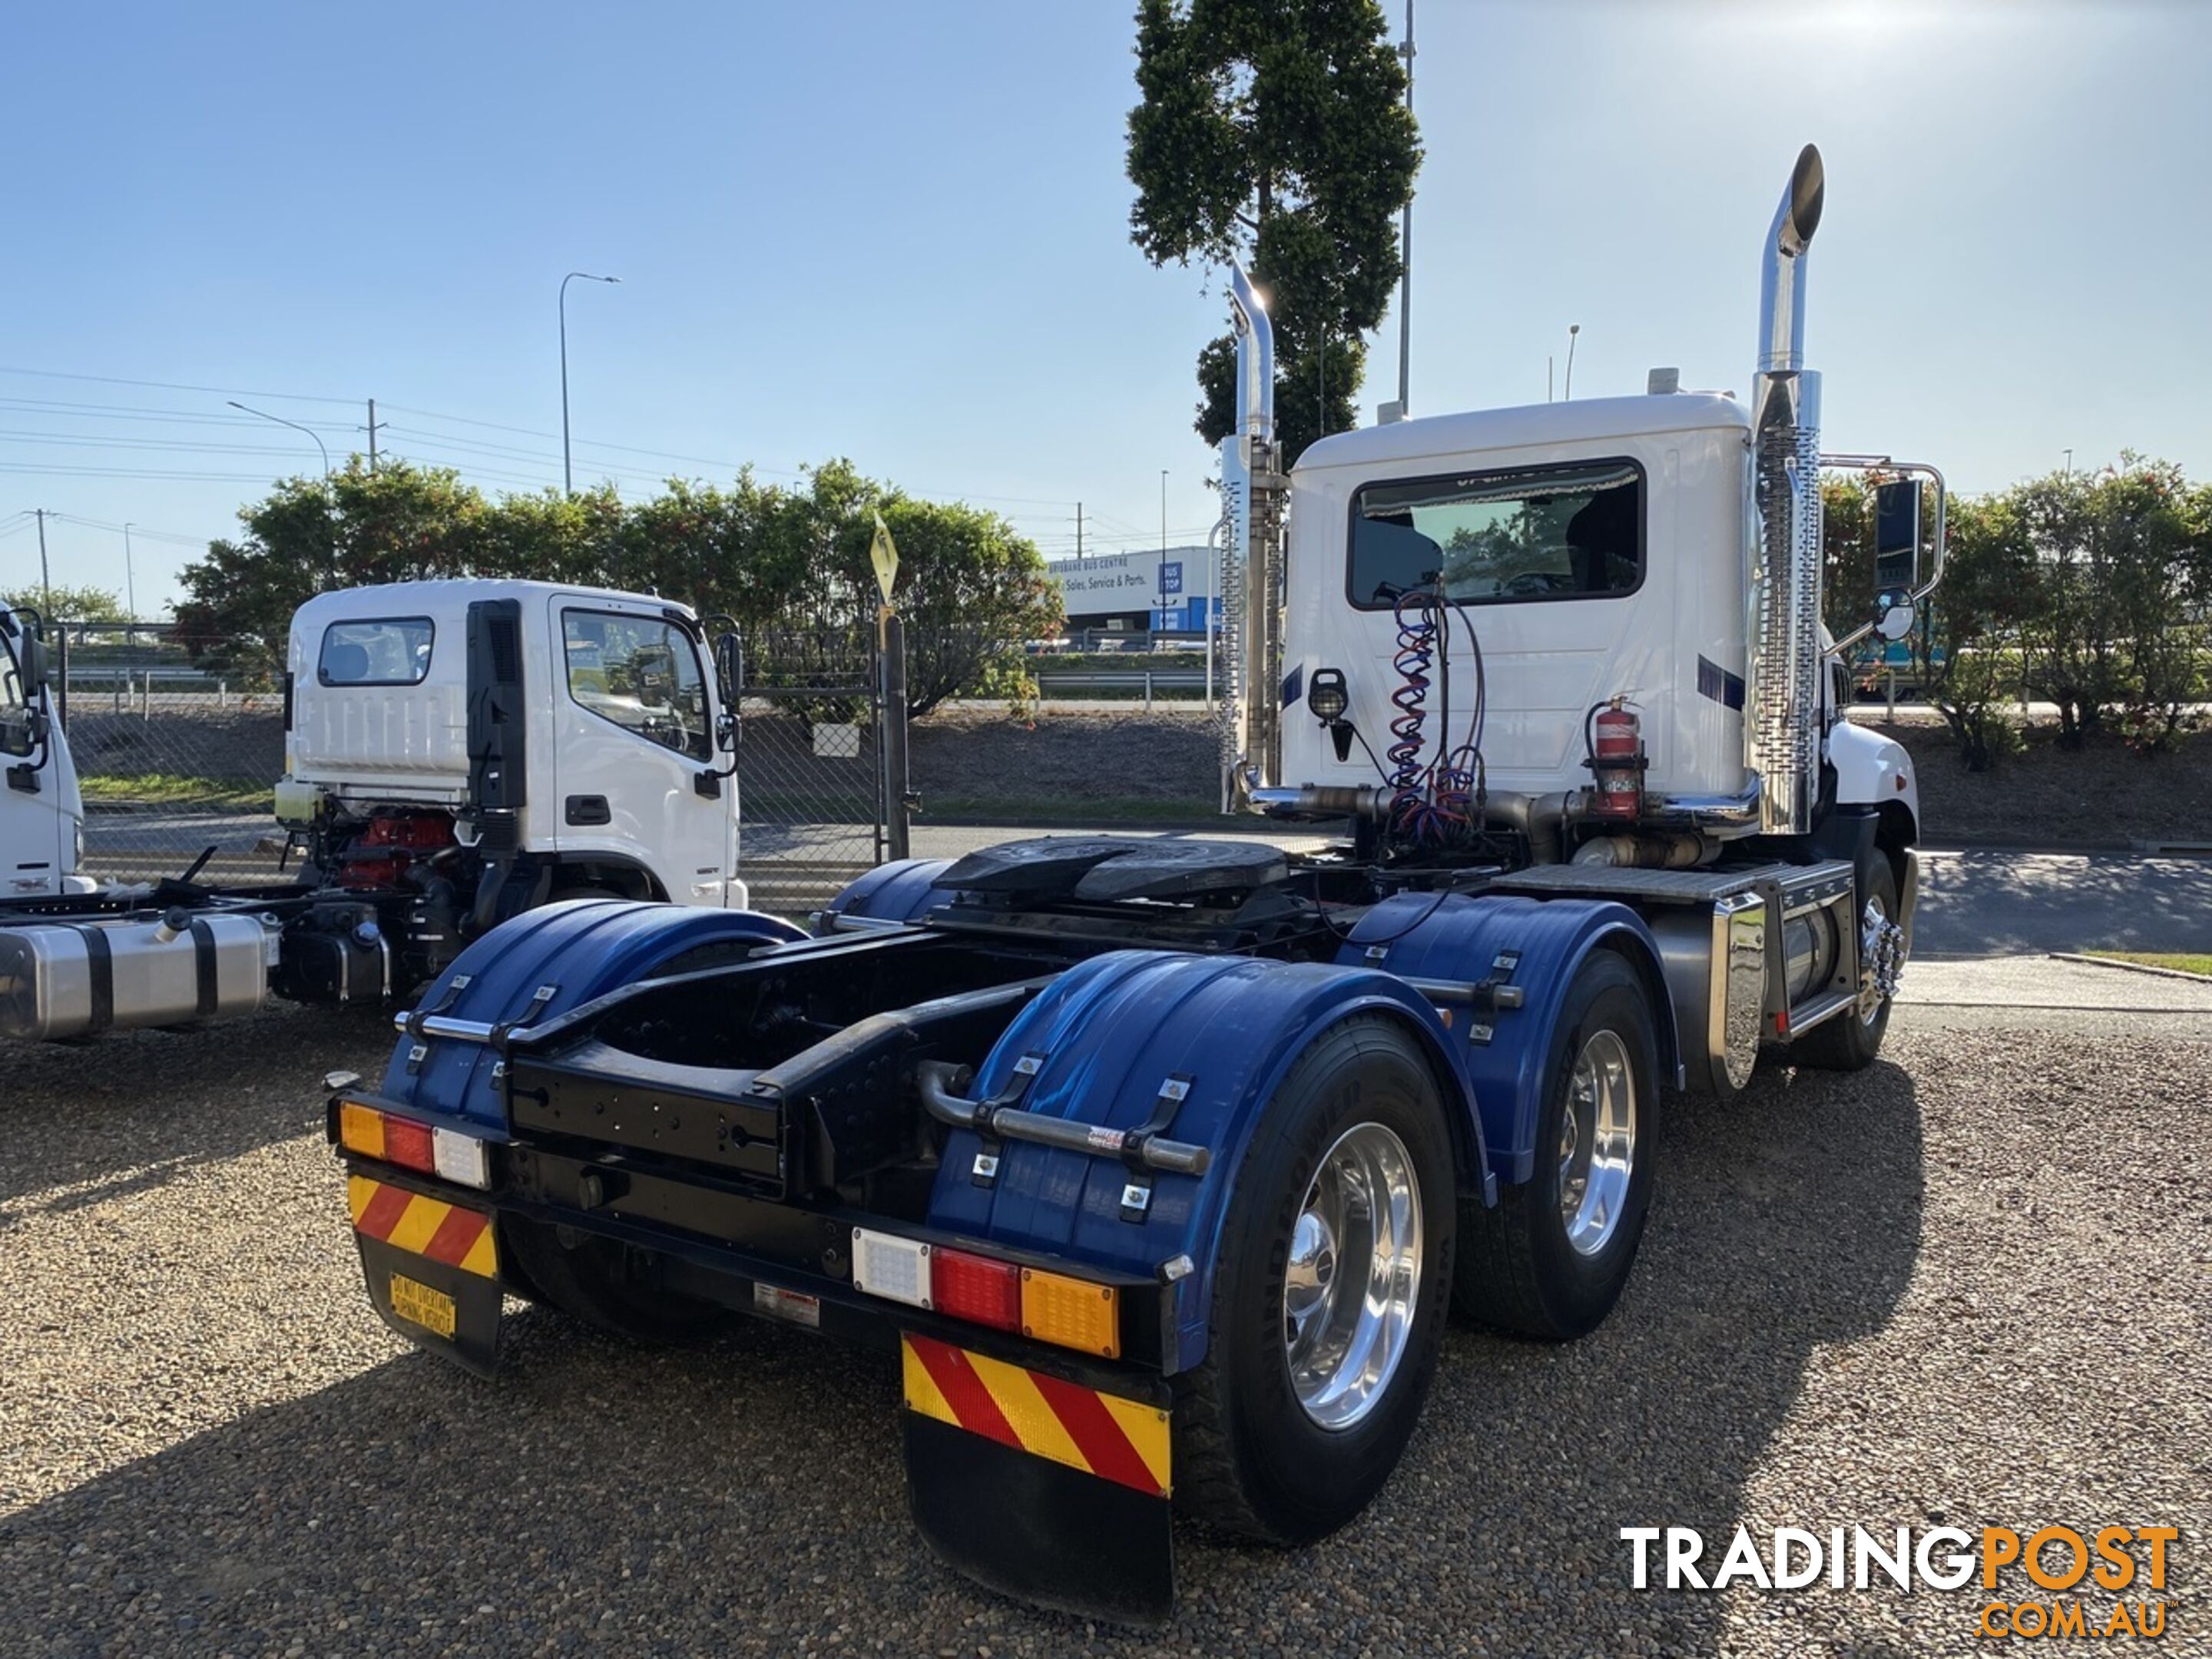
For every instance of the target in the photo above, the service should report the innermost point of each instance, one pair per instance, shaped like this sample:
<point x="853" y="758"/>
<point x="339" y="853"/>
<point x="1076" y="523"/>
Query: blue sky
<point x="898" y="233"/>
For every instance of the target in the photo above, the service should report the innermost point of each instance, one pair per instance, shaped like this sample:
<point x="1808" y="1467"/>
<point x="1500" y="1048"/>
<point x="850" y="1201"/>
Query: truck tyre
<point x="1851" y="1041"/>
<point x="1550" y="1258"/>
<point x="588" y="1278"/>
<point x="1328" y="1294"/>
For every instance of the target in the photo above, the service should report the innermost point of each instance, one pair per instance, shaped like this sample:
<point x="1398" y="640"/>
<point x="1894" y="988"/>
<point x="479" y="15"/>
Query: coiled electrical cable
<point x="1415" y="614"/>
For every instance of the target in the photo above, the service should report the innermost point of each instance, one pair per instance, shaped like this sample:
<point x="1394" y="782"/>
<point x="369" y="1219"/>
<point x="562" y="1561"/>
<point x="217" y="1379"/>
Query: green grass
<point x="169" y="789"/>
<point x="2186" y="962"/>
<point x="1005" y="809"/>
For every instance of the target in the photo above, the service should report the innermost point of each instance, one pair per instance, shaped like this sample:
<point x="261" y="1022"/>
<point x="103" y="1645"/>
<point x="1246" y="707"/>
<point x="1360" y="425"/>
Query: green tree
<point x="2155" y="539"/>
<point x="1276" y="132"/>
<point x="1964" y="652"/>
<point x="1846" y="551"/>
<point x="98" y="604"/>
<point x="969" y="589"/>
<point x="352" y="529"/>
<point x="789" y="565"/>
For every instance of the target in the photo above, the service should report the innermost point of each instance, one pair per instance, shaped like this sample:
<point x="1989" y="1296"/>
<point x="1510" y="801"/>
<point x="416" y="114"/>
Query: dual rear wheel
<point x="1346" y="1239"/>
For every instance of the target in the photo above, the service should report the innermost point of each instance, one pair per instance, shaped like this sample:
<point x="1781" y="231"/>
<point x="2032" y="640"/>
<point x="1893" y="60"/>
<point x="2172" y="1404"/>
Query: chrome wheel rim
<point x="1354" y="1276"/>
<point x="1598" y="1142"/>
<point x="1882" y="958"/>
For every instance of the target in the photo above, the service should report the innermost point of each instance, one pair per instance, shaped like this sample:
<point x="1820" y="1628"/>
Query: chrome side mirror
<point x="1894" y="614"/>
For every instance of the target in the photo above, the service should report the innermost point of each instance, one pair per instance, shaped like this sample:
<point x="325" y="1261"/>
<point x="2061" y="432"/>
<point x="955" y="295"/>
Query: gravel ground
<point x="1971" y="1286"/>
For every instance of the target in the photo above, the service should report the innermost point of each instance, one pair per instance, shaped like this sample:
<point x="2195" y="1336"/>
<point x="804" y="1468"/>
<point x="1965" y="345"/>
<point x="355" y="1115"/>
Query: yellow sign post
<point x="883" y="553"/>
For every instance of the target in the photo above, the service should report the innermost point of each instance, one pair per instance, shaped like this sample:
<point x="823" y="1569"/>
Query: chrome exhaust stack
<point x="1782" y="635"/>
<point x="1252" y="570"/>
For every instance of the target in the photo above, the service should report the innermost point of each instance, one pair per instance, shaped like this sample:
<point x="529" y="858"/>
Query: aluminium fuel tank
<point x="65" y="979"/>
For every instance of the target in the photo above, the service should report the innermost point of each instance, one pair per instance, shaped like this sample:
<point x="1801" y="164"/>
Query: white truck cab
<point x="41" y="810"/>
<point x="1584" y="642"/>
<point x="1591" y="551"/>
<point x="575" y="728"/>
<point x="456" y="752"/>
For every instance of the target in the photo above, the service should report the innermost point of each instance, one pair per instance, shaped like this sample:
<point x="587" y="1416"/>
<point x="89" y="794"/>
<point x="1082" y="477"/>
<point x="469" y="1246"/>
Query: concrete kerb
<point x="2131" y="966"/>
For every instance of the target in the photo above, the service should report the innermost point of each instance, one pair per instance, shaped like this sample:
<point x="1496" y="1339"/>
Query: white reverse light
<point x="896" y="1269"/>
<point x="461" y="1157"/>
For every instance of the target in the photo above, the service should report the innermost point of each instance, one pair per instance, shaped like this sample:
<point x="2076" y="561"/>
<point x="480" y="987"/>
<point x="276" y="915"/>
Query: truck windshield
<point x="1557" y="533"/>
<point x="641" y="673"/>
<point x="379" y="651"/>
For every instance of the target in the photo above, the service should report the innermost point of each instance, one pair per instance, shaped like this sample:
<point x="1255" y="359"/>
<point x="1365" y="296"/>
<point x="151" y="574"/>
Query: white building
<point x="1168" y="591"/>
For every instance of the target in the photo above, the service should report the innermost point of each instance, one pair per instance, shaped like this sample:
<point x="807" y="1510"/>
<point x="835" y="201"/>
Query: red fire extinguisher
<point x="1616" y="761"/>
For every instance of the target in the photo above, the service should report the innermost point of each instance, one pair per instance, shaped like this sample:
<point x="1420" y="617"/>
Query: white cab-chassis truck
<point x="456" y="752"/>
<point x="1160" y="1164"/>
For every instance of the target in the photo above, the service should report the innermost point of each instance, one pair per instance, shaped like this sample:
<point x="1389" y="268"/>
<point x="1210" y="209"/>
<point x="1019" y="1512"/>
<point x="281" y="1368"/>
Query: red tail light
<point x="410" y="1144"/>
<point x="976" y="1288"/>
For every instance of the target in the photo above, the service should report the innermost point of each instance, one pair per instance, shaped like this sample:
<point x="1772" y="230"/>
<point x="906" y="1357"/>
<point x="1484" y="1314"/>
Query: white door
<point x="634" y="751"/>
<point x="33" y="824"/>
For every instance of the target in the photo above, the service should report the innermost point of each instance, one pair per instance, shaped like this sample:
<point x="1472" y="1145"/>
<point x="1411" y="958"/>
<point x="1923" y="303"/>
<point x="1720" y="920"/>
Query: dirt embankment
<point x="1115" y="764"/>
<point x="1111" y="763"/>
<point x="2103" y="795"/>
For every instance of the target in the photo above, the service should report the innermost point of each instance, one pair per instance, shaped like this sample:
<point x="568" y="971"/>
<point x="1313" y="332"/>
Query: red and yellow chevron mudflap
<point x="426" y="1226"/>
<point x="1124" y="1441"/>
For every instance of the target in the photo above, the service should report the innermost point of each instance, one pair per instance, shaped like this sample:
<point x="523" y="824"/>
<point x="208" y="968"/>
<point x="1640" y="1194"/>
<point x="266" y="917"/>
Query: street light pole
<point x="1567" y="394"/>
<point x="295" y="426"/>
<point x="1405" y="252"/>
<point x="567" y="478"/>
<point x="129" y="581"/>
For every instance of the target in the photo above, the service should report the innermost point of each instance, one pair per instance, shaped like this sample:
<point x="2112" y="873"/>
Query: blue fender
<point x="584" y="948"/>
<point x="899" y="891"/>
<point x="1538" y="944"/>
<point x="1111" y="1030"/>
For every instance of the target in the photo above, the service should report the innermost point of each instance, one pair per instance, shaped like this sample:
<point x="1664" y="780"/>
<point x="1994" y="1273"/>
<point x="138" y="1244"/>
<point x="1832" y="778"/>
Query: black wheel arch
<point x="1635" y="949"/>
<point x="611" y="872"/>
<point x="1895" y="832"/>
<point x="1471" y="1167"/>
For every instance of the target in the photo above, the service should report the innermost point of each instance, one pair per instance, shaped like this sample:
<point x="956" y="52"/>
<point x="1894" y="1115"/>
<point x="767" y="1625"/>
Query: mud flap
<point x="444" y="1294"/>
<point x="454" y="1314"/>
<point x="1038" y="1487"/>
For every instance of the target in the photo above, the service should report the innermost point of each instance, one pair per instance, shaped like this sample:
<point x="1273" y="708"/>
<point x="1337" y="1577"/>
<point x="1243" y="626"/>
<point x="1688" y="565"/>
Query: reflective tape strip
<point x="1124" y="1441"/>
<point x="458" y="1236"/>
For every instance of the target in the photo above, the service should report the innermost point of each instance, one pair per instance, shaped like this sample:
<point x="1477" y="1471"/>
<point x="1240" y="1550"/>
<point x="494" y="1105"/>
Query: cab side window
<point x="384" y="651"/>
<point x="641" y="673"/>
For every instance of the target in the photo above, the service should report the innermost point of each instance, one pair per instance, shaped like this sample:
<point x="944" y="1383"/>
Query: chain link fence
<point x="172" y="761"/>
<point x="811" y="773"/>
